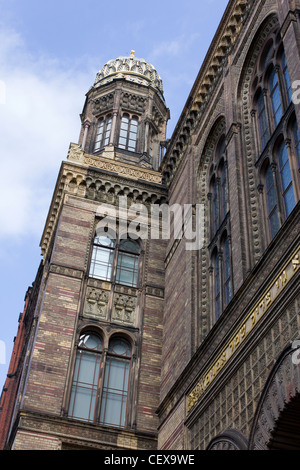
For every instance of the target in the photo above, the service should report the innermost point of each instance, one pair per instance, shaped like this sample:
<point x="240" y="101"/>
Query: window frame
<point x="117" y="270"/>
<point x="130" y="130"/>
<point x="100" y="385"/>
<point x="271" y="83"/>
<point x="106" y="126"/>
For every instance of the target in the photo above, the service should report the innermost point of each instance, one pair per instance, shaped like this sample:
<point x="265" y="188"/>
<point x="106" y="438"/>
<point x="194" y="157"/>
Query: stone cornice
<point x="107" y="163"/>
<point x="88" y="176"/>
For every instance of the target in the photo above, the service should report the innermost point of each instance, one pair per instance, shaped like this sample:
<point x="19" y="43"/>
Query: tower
<point x="90" y="372"/>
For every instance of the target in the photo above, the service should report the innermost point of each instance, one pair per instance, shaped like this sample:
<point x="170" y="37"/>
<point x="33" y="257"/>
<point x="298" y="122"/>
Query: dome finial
<point x="132" y="54"/>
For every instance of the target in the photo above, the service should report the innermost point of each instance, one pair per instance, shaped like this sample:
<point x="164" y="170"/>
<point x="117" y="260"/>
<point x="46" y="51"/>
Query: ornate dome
<point x="132" y="69"/>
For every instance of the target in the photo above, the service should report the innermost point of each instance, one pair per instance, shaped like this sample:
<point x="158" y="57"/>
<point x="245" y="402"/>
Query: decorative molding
<point x="65" y="271"/>
<point x="76" y="154"/>
<point x="124" y="309"/>
<point x="155" y="291"/>
<point x="96" y="303"/>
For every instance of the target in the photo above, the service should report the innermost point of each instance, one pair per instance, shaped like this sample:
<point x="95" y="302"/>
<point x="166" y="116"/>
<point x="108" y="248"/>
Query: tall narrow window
<point x="275" y="97"/>
<point x="102" y="258"/>
<point x="286" y="179"/>
<point x="86" y="377"/>
<point x="227" y="272"/>
<point x="116" y="381"/>
<point x="101" y="399"/>
<point x="296" y="135"/>
<point x="215" y="206"/>
<point x="128" y="133"/>
<point x="262" y="119"/>
<point x="223" y="191"/>
<point x="272" y="205"/>
<point x="128" y="262"/>
<point x="103" y="133"/>
<point x="286" y="78"/>
<point x="217" y="286"/>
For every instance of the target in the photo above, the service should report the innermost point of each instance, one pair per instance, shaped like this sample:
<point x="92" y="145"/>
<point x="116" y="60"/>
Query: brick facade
<point x="199" y="379"/>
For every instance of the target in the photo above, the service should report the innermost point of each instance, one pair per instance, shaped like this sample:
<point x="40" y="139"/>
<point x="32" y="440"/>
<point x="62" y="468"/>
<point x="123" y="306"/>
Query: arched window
<point x="275" y="97"/>
<point x="103" y="133"/>
<point x="113" y="261"/>
<point x="102" y="258"/>
<point x="86" y="377"/>
<point x="271" y="88"/>
<point x="286" y="179"/>
<point x="223" y="191"/>
<point x="215" y="205"/>
<point x="286" y="76"/>
<point x="128" y="262"/>
<point x="128" y="133"/>
<point x="262" y="120"/>
<point x="217" y="285"/>
<point x="272" y="205"/>
<point x="227" y="272"/>
<point x="96" y="397"/>
<point x="296" y="136"/>
<point x="116" y="382"/>
<point x="272" y="98"/>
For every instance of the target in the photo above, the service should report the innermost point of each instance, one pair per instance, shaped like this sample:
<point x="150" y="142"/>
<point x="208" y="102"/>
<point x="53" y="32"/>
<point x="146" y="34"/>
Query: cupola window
<point x="128" y="133"/>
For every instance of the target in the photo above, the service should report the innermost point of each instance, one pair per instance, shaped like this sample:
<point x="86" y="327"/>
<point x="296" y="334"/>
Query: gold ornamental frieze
<point x="246" y="327"/>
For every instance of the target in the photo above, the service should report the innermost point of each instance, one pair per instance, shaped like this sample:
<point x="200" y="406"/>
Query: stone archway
<point x="276" y="422"/>
<point x="228" y="440"/>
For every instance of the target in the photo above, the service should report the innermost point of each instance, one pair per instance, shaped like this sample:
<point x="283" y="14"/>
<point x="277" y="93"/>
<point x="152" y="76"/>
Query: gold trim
<point x="246" y="327"/>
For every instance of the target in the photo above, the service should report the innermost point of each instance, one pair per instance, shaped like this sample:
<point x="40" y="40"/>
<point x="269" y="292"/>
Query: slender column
<point x="86" y="129"/>
<point x="145" y="149"/>
<point x="113" y="127"/>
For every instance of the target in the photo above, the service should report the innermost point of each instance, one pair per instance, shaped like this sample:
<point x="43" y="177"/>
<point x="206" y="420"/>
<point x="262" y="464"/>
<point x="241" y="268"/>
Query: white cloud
<point x="38" y="119"/>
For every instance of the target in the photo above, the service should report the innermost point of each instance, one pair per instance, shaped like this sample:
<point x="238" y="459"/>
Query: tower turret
<point x="125" y="115"/>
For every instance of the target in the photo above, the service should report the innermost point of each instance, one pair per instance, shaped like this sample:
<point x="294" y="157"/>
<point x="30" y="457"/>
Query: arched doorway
<point x="276" y="425"/>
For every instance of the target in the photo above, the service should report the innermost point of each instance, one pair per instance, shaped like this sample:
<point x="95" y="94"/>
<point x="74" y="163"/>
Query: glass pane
<point x="289" y="199"/>
<point x="89" y="369"/>
<point x="101" y="263"/>
<point x="85" y="381"/>
<point x="286" y="78"/>
<point x="91" y="342"/>
<point x="120" y="347"/>
<point x="286" y="176"/>
<point x="130" y="245"/>
<point x="274" y="223"/>
<point x="263" y="124"/>
<point x="297" y="141"/>
<point x="122" y="142"/>
<point x="113" y="409"/>
<point x="275" y="97"/>
<point x="228" y="293"/>
<point x="123" y="133"/>
<point x="272" y="200"/>
<point x="82" y="403"/>
<point x="104" y="241"/>
<point x="115" y="389"/>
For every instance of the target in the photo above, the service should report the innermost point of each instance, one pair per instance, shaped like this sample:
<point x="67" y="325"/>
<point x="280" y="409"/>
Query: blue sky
<point x="50" y="52"/>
